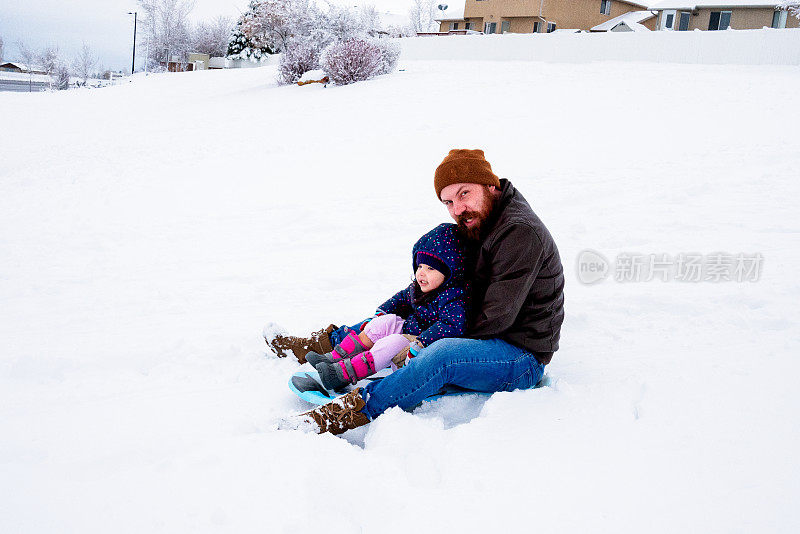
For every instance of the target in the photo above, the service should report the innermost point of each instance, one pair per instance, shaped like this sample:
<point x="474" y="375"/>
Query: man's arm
<point x="517" y="255"/>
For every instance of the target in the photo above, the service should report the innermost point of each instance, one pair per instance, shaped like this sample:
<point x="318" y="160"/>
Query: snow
<point x="24" y="76"/>
<point x="752" y="47"/>
<point x="630" y="18"/>
<point x="152" y="229"/>
<point x="672" y="4"/>
<point x="313" y="75"/>
<point x="631" y="26"/>
<point x="454" y="11"/>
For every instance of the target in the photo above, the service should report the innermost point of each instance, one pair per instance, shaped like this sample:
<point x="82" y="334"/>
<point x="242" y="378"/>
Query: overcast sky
<point x="105" y="26"/>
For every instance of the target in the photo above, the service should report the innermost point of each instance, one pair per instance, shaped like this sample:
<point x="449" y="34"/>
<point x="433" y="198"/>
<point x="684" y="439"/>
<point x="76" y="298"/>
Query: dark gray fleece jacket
<point x="517" y="279"/>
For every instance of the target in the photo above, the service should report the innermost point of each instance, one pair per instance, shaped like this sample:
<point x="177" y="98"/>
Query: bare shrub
<point x="299" y="57"/>
<point x="351" y="61"/>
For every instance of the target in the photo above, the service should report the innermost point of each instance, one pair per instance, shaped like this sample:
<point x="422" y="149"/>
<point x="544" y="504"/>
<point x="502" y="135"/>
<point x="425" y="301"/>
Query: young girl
<point x="431" y="308"/>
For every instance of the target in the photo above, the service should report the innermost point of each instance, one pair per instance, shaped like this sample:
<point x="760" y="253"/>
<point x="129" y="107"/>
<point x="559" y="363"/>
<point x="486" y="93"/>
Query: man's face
<point x="469" y="205"/>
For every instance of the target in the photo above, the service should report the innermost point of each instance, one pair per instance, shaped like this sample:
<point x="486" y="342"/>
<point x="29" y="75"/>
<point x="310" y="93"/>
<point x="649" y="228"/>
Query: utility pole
<point x="133" y="61"/>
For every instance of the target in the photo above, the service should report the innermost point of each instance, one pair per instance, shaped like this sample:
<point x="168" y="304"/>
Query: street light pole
<point x="133" y="61"/>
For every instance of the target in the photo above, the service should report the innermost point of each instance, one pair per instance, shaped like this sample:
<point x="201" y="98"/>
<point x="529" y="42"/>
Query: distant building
<point x="199" y="61"/>
<point x="542" y="16"/>
<point x="22" y="67"/>
<point x="721" y="15"/>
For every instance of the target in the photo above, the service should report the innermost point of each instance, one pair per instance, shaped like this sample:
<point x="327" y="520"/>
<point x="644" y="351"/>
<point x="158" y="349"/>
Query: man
<point x="517" y="303"/>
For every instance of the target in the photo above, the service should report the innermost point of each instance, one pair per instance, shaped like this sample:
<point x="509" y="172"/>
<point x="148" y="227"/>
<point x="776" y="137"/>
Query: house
<point x="22" y="68"/>
<point x="632" y="21"/>
<point x="721" y="15"/>
<point x="537" y="16"/>
<point x="199" y="61"/>
<point x="452" y="19"/>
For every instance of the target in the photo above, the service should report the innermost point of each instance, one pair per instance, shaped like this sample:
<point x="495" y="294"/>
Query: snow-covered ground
<point x="149" y="231"/>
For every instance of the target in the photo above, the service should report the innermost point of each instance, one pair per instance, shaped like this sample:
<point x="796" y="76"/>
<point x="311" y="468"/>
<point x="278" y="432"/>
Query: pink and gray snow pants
<point x="385" y="332"/>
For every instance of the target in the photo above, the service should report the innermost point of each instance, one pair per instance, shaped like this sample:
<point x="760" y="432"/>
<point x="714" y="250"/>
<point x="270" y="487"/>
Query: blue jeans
<point x="486" y="365"/>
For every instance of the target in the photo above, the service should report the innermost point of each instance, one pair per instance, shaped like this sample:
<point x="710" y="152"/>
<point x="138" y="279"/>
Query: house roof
<point x="454" y="11"/>
<point x="632" y="17"/>
<point x="23" y="66"/>
<point x="633" y="26"/>
<point x="678" y="4"/>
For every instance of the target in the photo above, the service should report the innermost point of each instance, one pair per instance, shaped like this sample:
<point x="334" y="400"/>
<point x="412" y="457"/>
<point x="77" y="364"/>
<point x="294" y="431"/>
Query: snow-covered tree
<point x="273" y="23"/>
<point x="792" y="6"/>
<point x="239" y="46"/>
<point x="370" y="20"/>
<point x="166" y="29"/>
<point x="343" y="23"/>
<point x="49" y="60"/>
<point x="422" y="15"/>
<point x="28" y="57"/>
<point x="55" y="67"/>
<point x="84" y="64"/>
<point x="212" y="38"/>
<point x="1" y="48"/>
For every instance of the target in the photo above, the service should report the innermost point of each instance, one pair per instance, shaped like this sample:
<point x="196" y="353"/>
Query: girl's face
<point x="428" y="278"/>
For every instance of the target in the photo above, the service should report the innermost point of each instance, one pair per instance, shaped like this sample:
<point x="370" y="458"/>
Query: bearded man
<point x="517" y="303"/>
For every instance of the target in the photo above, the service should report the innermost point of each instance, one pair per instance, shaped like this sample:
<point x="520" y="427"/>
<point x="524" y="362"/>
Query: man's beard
<point x="473" y="233"/>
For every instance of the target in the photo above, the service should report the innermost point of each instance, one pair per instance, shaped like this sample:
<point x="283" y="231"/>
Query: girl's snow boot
<point x="349" y="347"/>
<point x="338" y="374"/>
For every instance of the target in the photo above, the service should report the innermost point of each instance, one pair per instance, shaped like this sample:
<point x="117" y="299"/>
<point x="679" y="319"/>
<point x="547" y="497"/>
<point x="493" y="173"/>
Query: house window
<point x="490" y="27"/>
<point x="605" y="7"/>
<point x="779" y="19"/>
<point x="668" y="20"/>
<point x="536" y="27"/>
<point x="453" y="26"/>
<point x="683" y="23"/>
<point x="504" y="26"/>
<point x="720" y="20"/>
<point x="467" y="25"/>
<point x="551" y="27"/>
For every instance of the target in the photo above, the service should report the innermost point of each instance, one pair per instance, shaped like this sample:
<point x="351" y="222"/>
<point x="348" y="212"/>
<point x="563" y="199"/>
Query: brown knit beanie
<point x="464" y="166"/>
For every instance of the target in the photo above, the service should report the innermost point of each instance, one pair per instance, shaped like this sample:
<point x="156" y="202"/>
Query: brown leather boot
<point x="319" y="341"/>
<point x="338" y="416"/>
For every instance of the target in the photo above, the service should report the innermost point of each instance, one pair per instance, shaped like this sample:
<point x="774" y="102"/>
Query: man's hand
<point x="400" y="359"/>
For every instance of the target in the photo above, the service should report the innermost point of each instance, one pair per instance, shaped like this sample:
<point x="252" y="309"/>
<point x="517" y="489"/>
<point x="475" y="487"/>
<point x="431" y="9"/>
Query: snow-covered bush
<point x="61" y="76"/>
<point x="351" y="61"/>
<point x="300" y="56"/>
<point x="390" y="52"/>
<point x="793" y="7"/>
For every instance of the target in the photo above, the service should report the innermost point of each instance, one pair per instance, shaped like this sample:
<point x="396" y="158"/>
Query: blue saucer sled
<point x="308" y="386"/>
